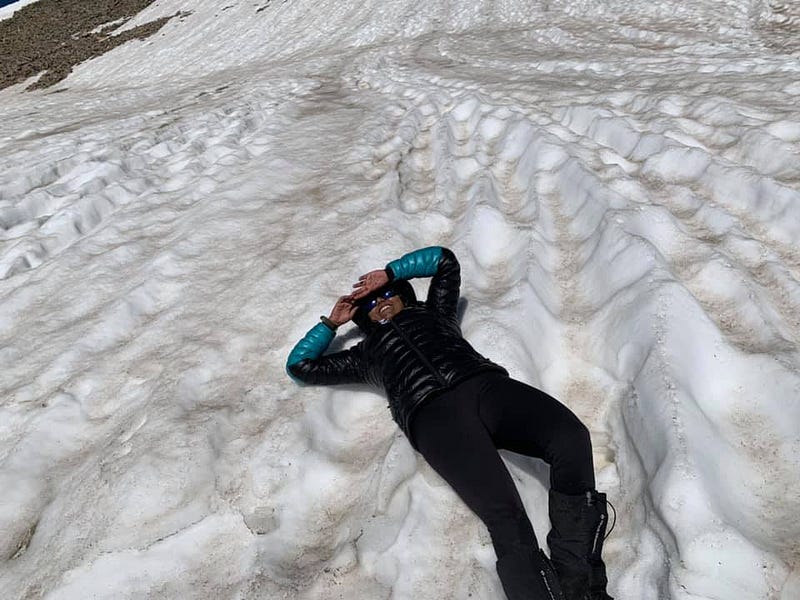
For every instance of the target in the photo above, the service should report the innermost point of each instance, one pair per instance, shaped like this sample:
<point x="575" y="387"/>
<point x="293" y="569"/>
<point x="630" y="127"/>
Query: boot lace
<point x="613" y="524"/>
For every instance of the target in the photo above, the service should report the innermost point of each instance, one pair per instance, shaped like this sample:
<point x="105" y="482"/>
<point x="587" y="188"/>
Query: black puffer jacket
<point x="414" y="357"/>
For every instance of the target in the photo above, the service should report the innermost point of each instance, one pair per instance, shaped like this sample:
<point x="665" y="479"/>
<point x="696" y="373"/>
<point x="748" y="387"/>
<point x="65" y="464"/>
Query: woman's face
<point x="386" y="308"/>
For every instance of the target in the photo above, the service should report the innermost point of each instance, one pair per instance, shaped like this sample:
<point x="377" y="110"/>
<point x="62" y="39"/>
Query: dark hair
<point x="401" y="287"/>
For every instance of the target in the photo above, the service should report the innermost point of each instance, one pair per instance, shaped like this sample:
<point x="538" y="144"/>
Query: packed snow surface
<point x="621" y="182"/>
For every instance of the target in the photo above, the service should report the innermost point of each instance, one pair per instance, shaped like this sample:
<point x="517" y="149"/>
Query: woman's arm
<point x="307" y="362"/>
<point x="435" y="261"/>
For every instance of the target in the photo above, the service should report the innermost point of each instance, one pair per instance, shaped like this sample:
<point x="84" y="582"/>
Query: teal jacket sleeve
<point x="420" y="263"/>
<point x="308" y="363"/>
<point x="312" y="346"/>
<point x="442" y="265"/>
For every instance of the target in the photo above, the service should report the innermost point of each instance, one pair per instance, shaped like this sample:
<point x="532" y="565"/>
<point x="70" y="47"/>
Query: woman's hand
<point x="369" y="282"/>
<point x="343" y="310"/>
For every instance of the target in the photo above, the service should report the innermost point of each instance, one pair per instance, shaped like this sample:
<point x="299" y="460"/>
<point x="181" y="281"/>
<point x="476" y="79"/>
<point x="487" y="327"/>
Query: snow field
<point x="623" y="199"/>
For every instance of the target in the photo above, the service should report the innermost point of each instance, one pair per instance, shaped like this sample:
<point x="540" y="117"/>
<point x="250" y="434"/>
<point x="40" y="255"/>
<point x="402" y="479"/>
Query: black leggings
<point x="460" y="432"/>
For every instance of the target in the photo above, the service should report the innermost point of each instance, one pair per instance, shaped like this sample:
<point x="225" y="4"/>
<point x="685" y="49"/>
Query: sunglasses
<point x="373" y="302"/>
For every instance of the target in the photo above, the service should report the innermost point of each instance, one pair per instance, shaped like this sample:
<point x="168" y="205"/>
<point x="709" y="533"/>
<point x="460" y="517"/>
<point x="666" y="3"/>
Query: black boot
<point x="527" y="574"/>
<point x="597" y="576"/>
<point x="576" y="543"/>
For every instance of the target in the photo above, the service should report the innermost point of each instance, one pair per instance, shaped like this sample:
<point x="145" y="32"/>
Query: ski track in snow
<point x="623" y="193"/>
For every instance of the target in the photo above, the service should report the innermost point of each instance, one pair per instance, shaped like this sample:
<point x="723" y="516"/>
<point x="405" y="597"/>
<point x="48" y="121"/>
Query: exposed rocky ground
<point x="52" y="36"/>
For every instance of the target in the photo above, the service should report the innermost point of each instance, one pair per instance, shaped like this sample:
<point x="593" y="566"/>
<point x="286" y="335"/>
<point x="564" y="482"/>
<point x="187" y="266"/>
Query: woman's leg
<point x="525" y="420"/>
<point x="450" y="435"/>
<point x="528" y="421"/>
<point x="448" y="432"/>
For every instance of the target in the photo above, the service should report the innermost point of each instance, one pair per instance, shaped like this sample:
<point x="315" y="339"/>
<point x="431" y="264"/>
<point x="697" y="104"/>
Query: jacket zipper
<point x="547" y="585"/>
<point x="422" y="357"/>
<point x="597" y="533"/>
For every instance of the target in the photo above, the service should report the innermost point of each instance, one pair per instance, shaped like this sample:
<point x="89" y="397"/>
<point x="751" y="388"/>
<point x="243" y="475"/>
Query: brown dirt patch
<point x="52" y="36"/>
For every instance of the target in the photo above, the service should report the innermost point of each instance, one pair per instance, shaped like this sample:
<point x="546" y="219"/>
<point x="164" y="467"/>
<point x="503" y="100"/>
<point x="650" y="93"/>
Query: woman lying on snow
<point x="457" y="409"/>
